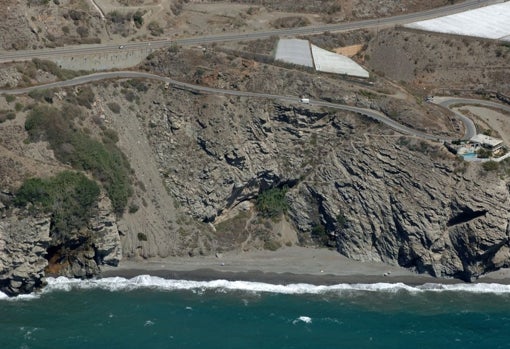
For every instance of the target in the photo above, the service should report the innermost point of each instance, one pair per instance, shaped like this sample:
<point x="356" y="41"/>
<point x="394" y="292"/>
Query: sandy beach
<point x="287" y="265"/>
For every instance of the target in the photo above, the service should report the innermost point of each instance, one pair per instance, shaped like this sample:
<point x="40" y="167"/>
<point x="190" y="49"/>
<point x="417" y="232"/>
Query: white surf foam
<point x="20" y="297"/>
<point x="305" y="319"/>
<point x="153" y="282"/>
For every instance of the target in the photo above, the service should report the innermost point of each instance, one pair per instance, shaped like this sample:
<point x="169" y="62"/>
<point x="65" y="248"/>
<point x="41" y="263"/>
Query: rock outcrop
<point x="83" y="253"/>
<point x="377" y="196"/>
<point x="23" y="244"/>
<point x="28" y="252"/>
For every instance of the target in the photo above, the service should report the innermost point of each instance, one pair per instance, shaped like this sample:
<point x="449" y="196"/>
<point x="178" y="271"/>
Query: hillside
<point x="36" y="24"/>
<point x="140" y="169"/>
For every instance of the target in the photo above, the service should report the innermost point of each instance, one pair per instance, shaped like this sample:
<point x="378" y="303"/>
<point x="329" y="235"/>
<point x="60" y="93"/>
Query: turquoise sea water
<point x="147" y="312"/>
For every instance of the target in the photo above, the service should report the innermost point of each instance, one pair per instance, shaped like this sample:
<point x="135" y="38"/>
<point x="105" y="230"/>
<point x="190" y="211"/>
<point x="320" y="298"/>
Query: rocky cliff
<point x="354" y="184"/>
<point x="29" y="252"/>
<point x="83" y="252"/>
<point x="23" y="244"/>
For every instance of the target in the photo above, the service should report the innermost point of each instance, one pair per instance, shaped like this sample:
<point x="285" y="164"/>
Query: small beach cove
<point x="284" y="266"/>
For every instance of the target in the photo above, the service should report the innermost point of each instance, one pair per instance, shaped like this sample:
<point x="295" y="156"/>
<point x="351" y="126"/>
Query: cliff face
<point x="28" y="252"/>
<point x="386" y="203"/>
<point x="375" y="195"/>
<point x="83" y="252"/>
<point x="23" y="244"/>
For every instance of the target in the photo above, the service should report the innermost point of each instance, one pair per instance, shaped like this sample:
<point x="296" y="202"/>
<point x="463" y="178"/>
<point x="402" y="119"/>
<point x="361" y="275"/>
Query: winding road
<point x="373" y="114"/>
<point x="449" y="102"/>
<point x="8" y="56"/>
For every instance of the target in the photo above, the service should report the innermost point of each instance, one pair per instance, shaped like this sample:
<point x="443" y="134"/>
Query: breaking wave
<point x="153" y="282"/>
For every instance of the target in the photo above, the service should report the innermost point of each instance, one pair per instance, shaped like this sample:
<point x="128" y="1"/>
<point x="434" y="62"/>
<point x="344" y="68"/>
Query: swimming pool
<point x="469" y="156"/>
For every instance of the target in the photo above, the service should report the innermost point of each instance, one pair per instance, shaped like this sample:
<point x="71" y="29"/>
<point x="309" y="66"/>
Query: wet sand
<point x="285" y="266"/>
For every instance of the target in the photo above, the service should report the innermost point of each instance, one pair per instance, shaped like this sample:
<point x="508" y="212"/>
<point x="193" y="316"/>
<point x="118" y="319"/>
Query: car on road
<point x="121" y="46"/>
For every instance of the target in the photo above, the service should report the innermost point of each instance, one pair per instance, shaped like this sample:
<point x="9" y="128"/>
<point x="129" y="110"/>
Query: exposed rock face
<point x="389" y="204"/>
<point x="85" y="251"/>
<point x="106" y="235"/>
<point x="23" y="244"/>
<point x="378" y="197"/>
<point x="26" y="246"/>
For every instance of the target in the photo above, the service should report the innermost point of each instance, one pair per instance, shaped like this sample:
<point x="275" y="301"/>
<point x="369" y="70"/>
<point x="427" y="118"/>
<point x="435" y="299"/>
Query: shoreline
<point x="291" y="265"/>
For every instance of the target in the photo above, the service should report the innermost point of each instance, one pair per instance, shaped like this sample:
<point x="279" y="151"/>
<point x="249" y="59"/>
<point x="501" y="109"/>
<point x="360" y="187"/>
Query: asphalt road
<point x="8" y="56"/>
<point x="449" y="102"/>
<point x="373" y="114"/>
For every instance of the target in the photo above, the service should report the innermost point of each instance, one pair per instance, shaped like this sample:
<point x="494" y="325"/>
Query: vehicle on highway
<point x="121" y="46"/>
<point x="305" y="100"/>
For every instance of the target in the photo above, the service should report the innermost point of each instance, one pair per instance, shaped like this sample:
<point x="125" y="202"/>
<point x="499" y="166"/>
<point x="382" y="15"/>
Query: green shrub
<point x="490" y="166"/>
<point x="18" y="106"/>
<point x="129" y="95"/>
<point x="10" y="98"/>
<point x="110" y="136"/>
<point x="69" y="196"/>
<point x="272" y="202"/>
<point x="72" y="146"/>
<point x="133" y="208"/>
<point x="484" y="153"/>
<point x="155" y="28"/>
<point x="320" y="234"/>
<point x="7" y="115"/>
<point x="138" y="84"/>
<point x="114" y="107"/>
<point x="341" y="220"/>
<point x="53" y="68"/>
<point x="138" y="19"/>
<point x="141" y="237"/>
<point x="85" y="97"/>
<point x="41" y="94"/>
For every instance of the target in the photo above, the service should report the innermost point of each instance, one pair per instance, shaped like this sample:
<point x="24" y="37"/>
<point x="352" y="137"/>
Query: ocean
<point x="150" y="312"/>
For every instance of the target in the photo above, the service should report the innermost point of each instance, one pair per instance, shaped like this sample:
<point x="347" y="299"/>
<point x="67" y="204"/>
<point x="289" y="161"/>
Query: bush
<point x="155" y="28"/>
<point x="490" y="166"/>
<point x="41" y="94"/>
<point x="133" y="208"/>
<point x="83" y="32"/>
<point x="10" y="98"/>
<point x="138" y="84"/>
<point x="129" y="95"/>
<point x="141" y="237"/>
<point x="85" y="97"/>
<point x="110" y="136"/>
<point x="53" y="68"/>
<point x="7" y="115"/>
<point x="320" y="234"/>
<point x="114" y="107"/>
<point x="138" y="19"/>
<point x="272" y="202"/>
<point x="484" y="153"/>
<point x="105" y="161"/>
<point x="69" y="196"/>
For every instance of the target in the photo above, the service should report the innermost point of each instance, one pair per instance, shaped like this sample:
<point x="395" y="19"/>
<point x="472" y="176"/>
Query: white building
<point x="488" y="142"/>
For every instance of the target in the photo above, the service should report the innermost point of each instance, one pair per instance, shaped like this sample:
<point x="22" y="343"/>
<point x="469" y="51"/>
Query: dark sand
<point x="285" y="266"/>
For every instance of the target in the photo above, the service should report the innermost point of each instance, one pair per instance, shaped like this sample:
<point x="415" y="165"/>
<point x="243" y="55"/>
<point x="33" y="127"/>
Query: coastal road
<point x="8" y="56"/>
<point x="449" y="102"/>
<point x="370" y="113"/>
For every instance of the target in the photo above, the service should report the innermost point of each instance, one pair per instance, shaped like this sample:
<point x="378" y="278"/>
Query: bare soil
<point x="36" y="24"/>
<point x="439" y="64"/>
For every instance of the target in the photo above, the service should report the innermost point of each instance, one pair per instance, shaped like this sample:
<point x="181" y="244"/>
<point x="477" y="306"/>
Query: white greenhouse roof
<point x="491" y="22"/>
<point x="294" y="51"/>
<point x="330" y="62"/>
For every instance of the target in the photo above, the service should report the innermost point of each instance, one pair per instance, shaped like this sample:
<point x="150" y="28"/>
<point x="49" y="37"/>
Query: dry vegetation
<point x="51" y="23"/>
<point x="437" y="62"/>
